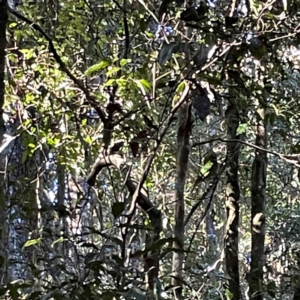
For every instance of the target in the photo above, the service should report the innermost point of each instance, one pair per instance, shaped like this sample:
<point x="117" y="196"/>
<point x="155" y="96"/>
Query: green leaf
<point x="146" y="84"/>
<point x="96" y="68"/>
<point x="88" y="140"/>
<point x="228" y="295"/>
<point x="60" y="240"/>
<point x="32" y="242"/>
<point x="112" y="71"/>
<point x="24" y="156"/>
<point x="124" y="62"/>
<point x="206" y="167"/>
<point x="242" y="128"/>
<point x="110" y="82"/>
<point x="13" y="24"/>
<point x="141" y="85"/>
<point x="149" y="184"/>
<point x="180" y="87"/>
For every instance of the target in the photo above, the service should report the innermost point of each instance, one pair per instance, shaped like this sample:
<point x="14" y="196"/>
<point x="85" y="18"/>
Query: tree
<point x="124" y="171"/>
<point x="3" y="21"/>
<point x="232" y="205"/>
<point x="258" y="214"/>
<point x="4" y="17"/>
<point x="183" y="136"/>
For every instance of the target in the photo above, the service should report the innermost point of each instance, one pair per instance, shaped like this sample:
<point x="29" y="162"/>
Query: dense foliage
<point x="151" y="150"/>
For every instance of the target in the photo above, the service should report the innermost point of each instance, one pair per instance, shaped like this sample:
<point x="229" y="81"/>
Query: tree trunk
<point x="3" y="229"/>
<point x="183" y="136"/>
<point x="255" y="277"/>
<point x="232" y="206"/>
<point x="3" y="21"/>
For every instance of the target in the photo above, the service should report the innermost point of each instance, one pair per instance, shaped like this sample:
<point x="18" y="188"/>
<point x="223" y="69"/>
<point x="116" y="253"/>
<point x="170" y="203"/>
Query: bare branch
<point x="289" y="158"/>
<point x="142" y="200"/>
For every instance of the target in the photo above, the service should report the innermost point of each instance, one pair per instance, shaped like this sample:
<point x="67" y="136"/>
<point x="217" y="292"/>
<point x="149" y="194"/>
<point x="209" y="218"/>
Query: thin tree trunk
<point x="232" y="206"/>
<point x="183" y="136"/>
<point x="211" y="233"/>
<point x="3" y="229"/>
<point x="255" y="277"/>
<point x="3" y="21"/>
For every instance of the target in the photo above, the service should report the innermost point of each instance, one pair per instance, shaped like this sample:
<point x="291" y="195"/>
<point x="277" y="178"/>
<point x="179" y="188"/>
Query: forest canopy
<point x="149" y="149"/>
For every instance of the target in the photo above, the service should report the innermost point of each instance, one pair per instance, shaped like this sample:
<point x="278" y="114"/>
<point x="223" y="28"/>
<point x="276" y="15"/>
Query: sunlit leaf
<point x="242" y="128"/>
<point x="146" y="84"/>
<point x="95" y="68"/>
<point x="32" y="242"/>
<point x="206" y="167"/>
<point x="124" y="62"/>
<point x="60" y="240"/>
<point x="112" y="71"/>
<point x="180" y="86"/>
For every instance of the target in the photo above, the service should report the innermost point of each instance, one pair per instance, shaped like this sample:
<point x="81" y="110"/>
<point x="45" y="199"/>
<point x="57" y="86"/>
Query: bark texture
<point x="258" y="191"/>
<point x="232" y="206"/>
<point x="3" y="229"/>
<point x="3" y="22"/>
<point x="183" y="137"/>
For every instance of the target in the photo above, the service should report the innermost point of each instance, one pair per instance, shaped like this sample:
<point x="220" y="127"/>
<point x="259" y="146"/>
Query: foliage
<point x="124" y="70"/>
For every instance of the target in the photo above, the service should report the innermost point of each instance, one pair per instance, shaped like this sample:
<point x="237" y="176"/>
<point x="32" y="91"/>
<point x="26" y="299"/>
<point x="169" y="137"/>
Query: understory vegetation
<point x="149" y="149"/>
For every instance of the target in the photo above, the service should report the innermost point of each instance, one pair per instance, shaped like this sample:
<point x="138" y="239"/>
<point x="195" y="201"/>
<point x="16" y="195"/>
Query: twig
<point x="289" y="158"/>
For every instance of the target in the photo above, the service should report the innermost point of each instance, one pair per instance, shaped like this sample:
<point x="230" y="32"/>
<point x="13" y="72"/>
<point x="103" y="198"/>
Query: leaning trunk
<point x="183" y="136"/>
<point x="255" y="277"/>
<point x="232" y="206"/>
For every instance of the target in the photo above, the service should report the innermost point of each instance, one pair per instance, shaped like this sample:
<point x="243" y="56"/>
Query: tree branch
<point x="62" y="65"/>
<point x="142" y="200"/>
<point x="289" y="158"/>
